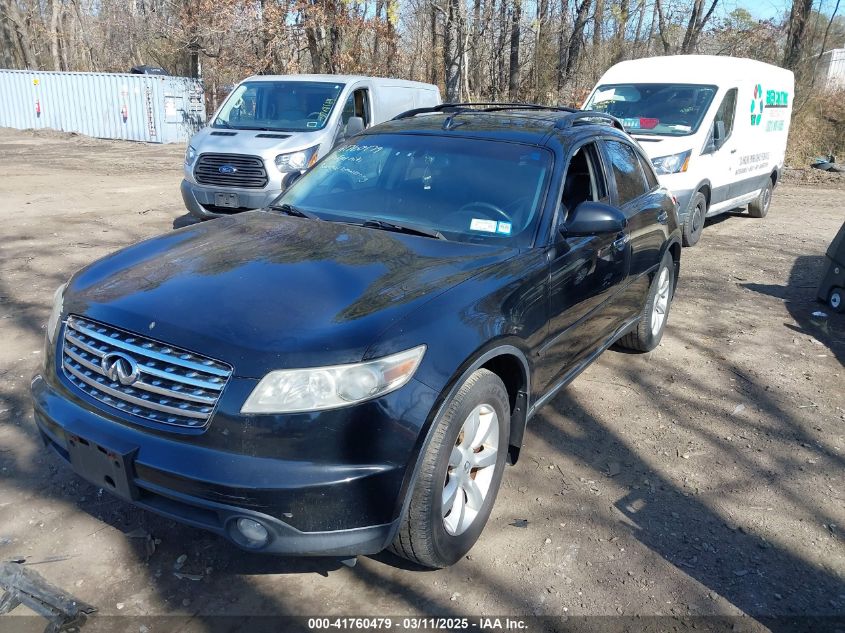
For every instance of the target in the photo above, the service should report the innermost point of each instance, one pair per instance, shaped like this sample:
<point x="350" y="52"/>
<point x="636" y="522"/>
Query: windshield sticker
<point x="323" y="114"/>
<point x="504" y="228"/>
<point x="478" y="224"/>
<point x="312" y="123"/>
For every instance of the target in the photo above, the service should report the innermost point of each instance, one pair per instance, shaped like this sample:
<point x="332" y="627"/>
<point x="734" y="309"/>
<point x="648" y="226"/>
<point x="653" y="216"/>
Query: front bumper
<point x="300" y="503"/>
<point x="199" y="200"/>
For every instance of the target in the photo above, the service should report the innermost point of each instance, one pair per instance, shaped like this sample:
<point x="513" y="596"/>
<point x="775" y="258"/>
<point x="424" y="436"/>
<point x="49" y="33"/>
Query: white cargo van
<point x="271" y="127"/>
<point x="714" y="127"/>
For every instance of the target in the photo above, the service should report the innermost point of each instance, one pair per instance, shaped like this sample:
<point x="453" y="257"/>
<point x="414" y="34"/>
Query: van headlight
<point x="297" y="161"/>
<point x="319" y="388"/>
<point x="56" y="314"/>
<point x="672" y="164"/>
<point x="190" y="155"/>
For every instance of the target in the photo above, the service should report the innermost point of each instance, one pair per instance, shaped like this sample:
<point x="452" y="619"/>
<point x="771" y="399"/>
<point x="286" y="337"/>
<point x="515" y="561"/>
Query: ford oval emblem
<point x="227" y="169"/>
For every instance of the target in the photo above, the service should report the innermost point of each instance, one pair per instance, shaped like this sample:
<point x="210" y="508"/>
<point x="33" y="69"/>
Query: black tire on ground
<point x="759" y="207"/>
<point x="694" y="224"/>
<point x="836" y="300"/>
<point x="422" y="535"/>
<point x="645" y="337"/>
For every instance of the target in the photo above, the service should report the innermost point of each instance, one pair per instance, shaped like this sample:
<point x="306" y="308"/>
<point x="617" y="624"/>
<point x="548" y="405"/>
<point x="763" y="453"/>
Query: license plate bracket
<point x="106" y="467"/>
<point x="227" y="200"/>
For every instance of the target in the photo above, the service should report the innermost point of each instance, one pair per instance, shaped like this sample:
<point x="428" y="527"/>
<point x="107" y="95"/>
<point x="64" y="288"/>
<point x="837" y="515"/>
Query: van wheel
<point x="759" y="207"/>
<point x="647" y="333"/>
<point x="694" y="224"/>
<point x="459" y="476"/>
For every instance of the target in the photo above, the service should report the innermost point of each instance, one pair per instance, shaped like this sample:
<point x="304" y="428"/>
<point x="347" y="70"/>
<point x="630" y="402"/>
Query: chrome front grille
<point x="140" y="376"/>
<point x="238" y="170"/>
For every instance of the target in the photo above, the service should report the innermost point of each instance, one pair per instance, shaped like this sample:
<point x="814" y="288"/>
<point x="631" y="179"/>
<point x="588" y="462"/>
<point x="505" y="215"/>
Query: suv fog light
<point x="253" y="532"/>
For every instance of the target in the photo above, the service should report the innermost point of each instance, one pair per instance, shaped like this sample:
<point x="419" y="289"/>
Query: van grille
<point x="238" y="171"/>
<point x="140" y="376"/>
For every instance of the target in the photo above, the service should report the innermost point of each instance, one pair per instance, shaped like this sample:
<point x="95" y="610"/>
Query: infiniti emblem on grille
<point x="227" y="169"/>
<point x="120" y="368"/>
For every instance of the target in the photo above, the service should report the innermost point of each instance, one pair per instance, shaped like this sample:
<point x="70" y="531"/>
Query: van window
<point x="287" y="106"/>
<point x="584" y="180"/>
<point x="358" y="104"/>
<point x="656" y="109"/>
<point x="627" y="171"/>
<point x="727" y="112"/>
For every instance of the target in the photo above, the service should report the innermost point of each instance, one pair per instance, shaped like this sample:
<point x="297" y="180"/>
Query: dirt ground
<point x="705" y="478"/>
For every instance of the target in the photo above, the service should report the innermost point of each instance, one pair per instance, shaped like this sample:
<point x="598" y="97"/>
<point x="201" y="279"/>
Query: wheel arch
<point x="506" y="358"/>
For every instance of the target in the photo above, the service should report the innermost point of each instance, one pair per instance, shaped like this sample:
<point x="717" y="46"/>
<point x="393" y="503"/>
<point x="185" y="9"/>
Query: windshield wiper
<point x="289" y="209"/>
<point x="224" y="123"/>
<point x="403" y="228"/>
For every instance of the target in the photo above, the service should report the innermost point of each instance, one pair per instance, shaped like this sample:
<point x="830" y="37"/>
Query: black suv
<point x="351" y="369"/>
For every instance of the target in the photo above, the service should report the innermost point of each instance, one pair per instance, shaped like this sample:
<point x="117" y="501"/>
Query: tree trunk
<point x="452" y="50"/>
<point x="577" y="36"/>
<point x="21" y="32"/>
<point x="563" y="48"/>
<point x="619" y="34"/>
<point x="795" y="36"/>
<point x="513" y="76"/>
<point x="55" y="11"/>
<point x="598" y="29"/>
<point x="697" y="21"/>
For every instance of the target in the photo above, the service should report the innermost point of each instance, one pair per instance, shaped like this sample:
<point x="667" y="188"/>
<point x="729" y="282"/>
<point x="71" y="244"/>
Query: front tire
<point x="459" y="476"/>
<point x="649" y="329"/>
<point x="759" y="207"/>
<point x="694" y="223"/>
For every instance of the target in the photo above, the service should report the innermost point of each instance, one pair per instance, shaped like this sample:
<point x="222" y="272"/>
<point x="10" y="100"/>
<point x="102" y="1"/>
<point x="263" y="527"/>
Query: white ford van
<point x="714" y="127"/>
<point x="271" y="127"/>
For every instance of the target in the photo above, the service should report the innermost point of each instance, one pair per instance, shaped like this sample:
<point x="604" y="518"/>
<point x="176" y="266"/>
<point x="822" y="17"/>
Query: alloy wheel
<point x="472" y="464"/>
<point x="661" y="301"/>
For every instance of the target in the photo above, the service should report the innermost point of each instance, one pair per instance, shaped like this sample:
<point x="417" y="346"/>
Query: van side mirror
<point x="719" y="134"/>
<point x="354" y="126"/>
<point x="594" y="218"/>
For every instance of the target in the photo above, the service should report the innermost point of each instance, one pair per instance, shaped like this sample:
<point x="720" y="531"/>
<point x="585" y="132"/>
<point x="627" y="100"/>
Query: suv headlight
<point x="672" y="164"/>
<point x="190" y="155"/>
<point x="56" y="314"/>
<point x="297" y="161"/>
<point x="319" y="388"/>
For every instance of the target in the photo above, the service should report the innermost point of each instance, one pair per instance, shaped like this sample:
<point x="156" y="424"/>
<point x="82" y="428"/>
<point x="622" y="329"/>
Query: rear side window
<point x="626" y="171"/>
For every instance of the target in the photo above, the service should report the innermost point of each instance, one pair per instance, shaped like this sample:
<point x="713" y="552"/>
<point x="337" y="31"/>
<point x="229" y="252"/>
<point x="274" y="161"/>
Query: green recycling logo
<point x="757" y="105"/>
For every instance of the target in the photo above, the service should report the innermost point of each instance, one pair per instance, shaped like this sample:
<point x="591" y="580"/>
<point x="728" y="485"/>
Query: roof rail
<point x="589" y="116"/>
<point x="480" y="106"/>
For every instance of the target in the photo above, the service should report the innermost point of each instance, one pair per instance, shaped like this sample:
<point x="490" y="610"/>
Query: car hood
<point x="252" y="142"/>
<point x="262" y="291"/>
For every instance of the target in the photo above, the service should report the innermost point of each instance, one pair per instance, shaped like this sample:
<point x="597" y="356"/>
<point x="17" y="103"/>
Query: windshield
<point x="467" y="190"/>
<point x="659" y="109"/>
<point x="288" y="106"/>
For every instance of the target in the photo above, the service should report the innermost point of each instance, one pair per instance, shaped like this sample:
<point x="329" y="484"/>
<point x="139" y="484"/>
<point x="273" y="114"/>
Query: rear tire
<point x="460" y="464"/>
<point x="759" y="207"/>
<point x="694" y="223"/>
<point x="652" y="322"/>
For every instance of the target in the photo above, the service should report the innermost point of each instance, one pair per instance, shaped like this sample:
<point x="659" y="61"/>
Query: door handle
<point x="663" y="216"/>
<point x="620" y="243"/>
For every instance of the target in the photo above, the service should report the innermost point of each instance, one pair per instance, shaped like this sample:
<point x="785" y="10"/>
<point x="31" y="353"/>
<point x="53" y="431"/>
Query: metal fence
<point x="151" y="108"/>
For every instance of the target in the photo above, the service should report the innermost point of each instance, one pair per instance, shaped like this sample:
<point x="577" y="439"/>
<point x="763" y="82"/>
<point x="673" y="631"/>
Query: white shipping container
<point x="830" y="72"/>
<point x="150" y="108"/>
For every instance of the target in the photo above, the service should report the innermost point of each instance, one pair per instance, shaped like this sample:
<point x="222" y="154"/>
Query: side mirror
<point x="354" y="126"/>
<point x="594" y="218"/>
<point x="719" y="134"/>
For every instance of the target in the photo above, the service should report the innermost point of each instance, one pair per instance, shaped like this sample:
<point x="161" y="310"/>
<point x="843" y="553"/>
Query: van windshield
<point x="287" y="106"/>
<point x="468" y="190"/>
<point x="657" y="109"/>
